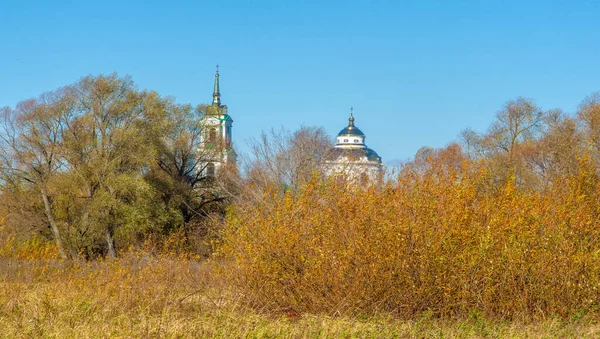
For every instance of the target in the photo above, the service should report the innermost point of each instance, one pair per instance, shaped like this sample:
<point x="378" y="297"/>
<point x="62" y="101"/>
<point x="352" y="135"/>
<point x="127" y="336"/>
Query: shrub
<point x="440" y="241"/>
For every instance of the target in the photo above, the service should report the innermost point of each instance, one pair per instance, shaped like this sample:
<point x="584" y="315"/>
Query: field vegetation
<point x="146" y="294"/>
<point x="111" y="227"/>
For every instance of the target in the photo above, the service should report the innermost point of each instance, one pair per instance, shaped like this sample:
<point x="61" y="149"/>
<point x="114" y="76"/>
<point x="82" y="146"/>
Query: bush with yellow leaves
<point x="443" y="241"/>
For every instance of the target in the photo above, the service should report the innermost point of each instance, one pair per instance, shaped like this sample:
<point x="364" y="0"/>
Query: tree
<point x="472" y="144"/>
<point x="30" y="150"/>
<point x="108" y="144"/>
<point x="518" y="124"/>
<point x="286" y="158"/>
<point x="589" y="115"/>
<point x="556" y="153"/>
<point x="180" y="174"/>
<point x="518" y="121"/>
<point x="450" y="157"/>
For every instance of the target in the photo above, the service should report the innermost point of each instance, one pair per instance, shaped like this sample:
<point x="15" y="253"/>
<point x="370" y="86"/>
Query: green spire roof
<point x="216" y="93"/>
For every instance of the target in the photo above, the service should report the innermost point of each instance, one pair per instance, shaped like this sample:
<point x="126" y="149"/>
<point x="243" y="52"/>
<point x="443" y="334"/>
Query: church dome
<point x="351" y="156"/>
<point x="351" y="136"/>
<point x="351" y="130"/>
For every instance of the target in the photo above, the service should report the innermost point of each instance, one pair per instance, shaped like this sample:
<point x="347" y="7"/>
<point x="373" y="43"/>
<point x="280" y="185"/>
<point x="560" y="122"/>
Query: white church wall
<point x="354" y="170"/>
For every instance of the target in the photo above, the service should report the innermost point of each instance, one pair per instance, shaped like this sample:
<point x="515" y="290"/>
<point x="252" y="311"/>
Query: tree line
<point x="536" y="147"/>
<point x="98" y="165"/>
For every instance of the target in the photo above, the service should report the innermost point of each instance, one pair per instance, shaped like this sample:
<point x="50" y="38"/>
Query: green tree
<point x="108" y="145"/>
<point x="180" y="176"/>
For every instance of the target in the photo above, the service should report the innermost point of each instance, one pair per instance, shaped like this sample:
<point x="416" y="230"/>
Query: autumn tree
<point x="108" y="144"/>
<point x="451" y="156"/>
<point x="31" y="143"/>
<point x="472" y="144"/>
<point x="589" y="115"/>
<point x="557" y="152"/>
<point x="518" y="123"/>
<point x="286" y="158"/>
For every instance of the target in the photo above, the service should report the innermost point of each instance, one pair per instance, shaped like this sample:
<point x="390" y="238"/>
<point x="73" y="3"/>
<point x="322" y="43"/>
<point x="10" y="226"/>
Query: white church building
<point x="351" y="157"/>
<point x="216" y="140"/>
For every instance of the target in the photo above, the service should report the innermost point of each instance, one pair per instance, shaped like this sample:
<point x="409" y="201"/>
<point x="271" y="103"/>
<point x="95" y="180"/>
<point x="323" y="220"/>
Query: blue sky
<point x="416" y="72"/>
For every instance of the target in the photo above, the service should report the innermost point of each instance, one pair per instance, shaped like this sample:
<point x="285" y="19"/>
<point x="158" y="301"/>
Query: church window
<point x="212" y="136"/>
<point x="345" y="140"/>
<point x="210" y="170"/>
<point x="355" y="140"/>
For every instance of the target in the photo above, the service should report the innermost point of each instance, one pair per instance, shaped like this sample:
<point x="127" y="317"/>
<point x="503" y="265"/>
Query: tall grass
<point x="437" y="253"/>
<point x="156" y="296"/>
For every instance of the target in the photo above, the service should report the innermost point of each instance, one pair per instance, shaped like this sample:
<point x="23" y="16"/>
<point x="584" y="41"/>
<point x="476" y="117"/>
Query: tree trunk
<point x="85" y="220"/>
<point x="53" y="225"/>
<point x="112" y="252"/>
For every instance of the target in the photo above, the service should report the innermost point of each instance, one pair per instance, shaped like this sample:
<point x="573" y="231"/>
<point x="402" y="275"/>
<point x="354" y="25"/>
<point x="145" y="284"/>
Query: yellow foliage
<point x="440" y="241"/>
<point x="31" y="249"/>
<point x="143" y="296"/>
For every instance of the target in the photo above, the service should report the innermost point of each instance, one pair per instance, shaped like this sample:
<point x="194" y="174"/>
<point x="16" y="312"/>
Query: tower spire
<point x="216" y="93"/>
<point x="351" y="119"/>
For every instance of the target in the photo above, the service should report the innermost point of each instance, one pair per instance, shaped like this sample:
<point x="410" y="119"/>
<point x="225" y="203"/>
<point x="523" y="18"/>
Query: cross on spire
<point x="216" y="93"/>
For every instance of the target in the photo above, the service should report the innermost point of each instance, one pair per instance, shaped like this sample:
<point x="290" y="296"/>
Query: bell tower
<point x="216" y="138"/>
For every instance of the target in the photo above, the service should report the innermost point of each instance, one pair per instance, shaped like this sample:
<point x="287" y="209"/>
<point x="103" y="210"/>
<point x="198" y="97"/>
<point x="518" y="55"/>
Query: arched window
<point x="212" y="136"/>
<point x="210" y="169"/>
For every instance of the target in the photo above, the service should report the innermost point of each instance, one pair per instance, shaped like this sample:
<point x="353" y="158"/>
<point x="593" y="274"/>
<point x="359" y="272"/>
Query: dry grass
<point x="431" y="257"/>
<point x="147" y="296"/>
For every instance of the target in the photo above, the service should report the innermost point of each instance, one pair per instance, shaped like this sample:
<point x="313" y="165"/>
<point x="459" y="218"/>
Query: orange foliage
<point x="444" y="241"/>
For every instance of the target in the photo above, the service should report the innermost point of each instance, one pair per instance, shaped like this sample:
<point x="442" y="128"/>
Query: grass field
<point x="140" y="295"/>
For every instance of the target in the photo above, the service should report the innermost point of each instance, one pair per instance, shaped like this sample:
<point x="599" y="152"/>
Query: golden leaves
<point x="439" y="240"/>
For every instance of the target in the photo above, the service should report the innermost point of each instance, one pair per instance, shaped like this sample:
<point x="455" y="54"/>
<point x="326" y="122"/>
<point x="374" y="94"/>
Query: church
<point x="349" y="157"/>
<point x="216" y="140"/>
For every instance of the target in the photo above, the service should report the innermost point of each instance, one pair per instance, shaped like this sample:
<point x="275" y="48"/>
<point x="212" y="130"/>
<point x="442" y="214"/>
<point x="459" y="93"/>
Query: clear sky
<point x="416" y="72"/>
